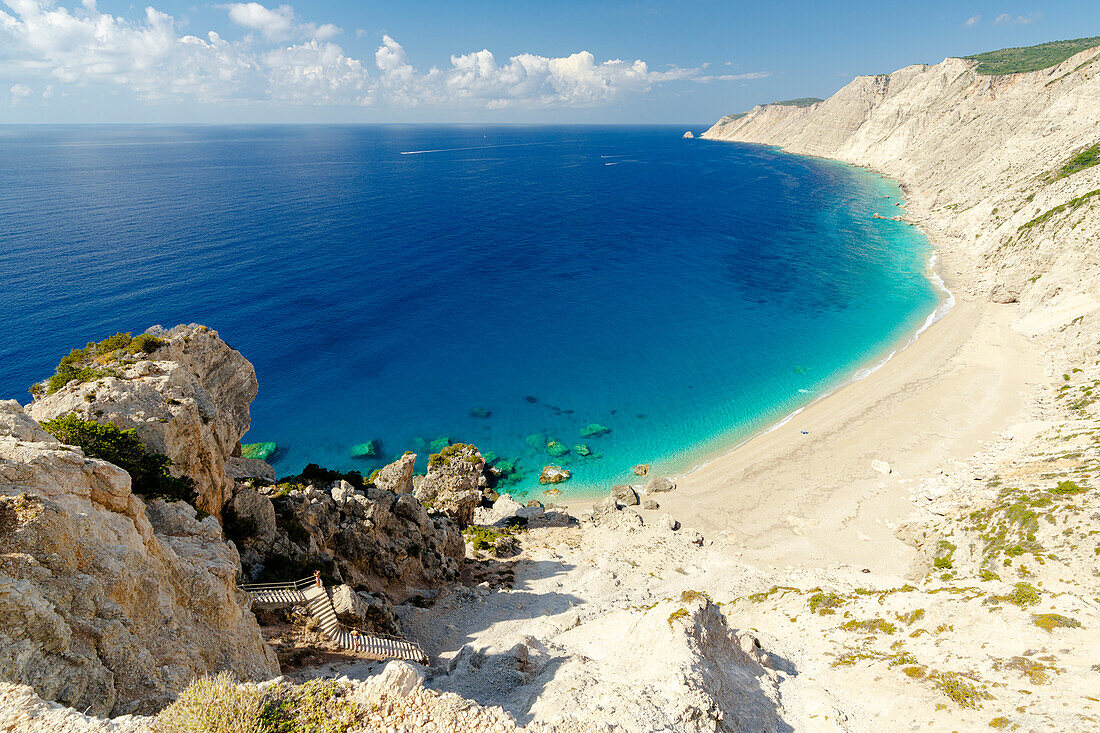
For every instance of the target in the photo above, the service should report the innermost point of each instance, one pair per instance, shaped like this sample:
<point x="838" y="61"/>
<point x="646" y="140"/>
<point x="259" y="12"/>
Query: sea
<point x="506" y="286"/>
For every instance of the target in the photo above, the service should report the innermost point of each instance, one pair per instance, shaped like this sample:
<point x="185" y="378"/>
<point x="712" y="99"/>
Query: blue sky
<point x="650" y="61"/>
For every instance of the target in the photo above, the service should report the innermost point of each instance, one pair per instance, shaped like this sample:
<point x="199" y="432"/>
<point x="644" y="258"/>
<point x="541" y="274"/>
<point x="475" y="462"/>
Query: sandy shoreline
<point x="813" y="500"/>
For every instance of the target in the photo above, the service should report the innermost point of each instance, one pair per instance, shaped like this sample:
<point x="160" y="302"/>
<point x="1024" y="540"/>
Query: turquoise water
<point x="397" y="283"/>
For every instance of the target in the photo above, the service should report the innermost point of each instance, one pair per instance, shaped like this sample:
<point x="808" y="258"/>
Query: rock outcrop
<point x="107" y="605"/>
<point x="455" y="482"/>
<point x="189" y="400"/>
<point x="371" y="539"/>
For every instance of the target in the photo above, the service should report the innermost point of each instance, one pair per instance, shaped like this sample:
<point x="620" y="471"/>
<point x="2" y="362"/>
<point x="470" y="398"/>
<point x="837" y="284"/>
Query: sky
<point x="556" y="61"/>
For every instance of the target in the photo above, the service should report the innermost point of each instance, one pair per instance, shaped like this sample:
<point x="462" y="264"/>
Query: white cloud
<point x="279" y="24"/>
<point x="1007" y="19"/>
<point x="285" y="60"/>
<point x="20" y="92"/>
<point x="972" y="21"/>
<point x="736" y="77"/>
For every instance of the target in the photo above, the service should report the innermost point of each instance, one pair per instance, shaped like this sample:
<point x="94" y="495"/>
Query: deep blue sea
<point x="387" y="281"/>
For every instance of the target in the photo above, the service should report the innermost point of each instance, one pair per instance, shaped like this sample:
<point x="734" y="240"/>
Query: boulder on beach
<point x="658" y="484"/>
<point x="258" y="451"/>
<point x="554" y="475"/>
<point x="556" y="449"/>
<point x="594" y="430"/>
<point x="370" y="449"/>
<point x="642" y="469"/>
<point x="625" y="494"/>
<point x="650" y="504"/>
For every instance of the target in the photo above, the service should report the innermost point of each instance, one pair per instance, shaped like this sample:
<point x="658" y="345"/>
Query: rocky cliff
<point x="985" y="160"/>
<point x="106" y="604"/>
<point x="188" y="399"/>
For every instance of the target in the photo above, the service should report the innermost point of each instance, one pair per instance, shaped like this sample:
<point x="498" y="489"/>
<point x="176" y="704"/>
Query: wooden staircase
<point x="307" y="593"/>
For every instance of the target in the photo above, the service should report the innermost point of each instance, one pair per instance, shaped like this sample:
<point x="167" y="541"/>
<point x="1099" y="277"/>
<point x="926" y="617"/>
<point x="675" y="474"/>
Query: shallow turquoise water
<point x="388" y="280"/>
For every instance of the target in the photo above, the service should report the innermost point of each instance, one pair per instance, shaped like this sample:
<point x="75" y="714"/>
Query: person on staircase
<point x="317" y="578"/>
<point x="356" y="640"/>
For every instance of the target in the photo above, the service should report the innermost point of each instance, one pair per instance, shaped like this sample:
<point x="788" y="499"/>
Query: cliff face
<point x="189" y="400"/>
<point x="106" y="604"/>
<point x="981" y="156"/>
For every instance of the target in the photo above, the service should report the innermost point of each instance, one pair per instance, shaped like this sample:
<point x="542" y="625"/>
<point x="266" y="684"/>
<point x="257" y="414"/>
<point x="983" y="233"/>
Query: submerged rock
<point x="641" y="469"/>
<point x="582" y="450"/>
<point x="370" y="449"/>
<point x="594" y="430"/>
<point x="554" y="475"/>
<point x="556" y="449"/>
<point x="440" y="443"/>
<point x="259" y="451"/>
<point x="536" y="440"/>
<point x="481" y="412"/>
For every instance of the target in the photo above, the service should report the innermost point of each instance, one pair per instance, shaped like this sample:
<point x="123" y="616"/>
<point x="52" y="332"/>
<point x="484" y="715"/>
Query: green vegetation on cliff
<point x="219" y="705"/>
<point x="1087" y="158"/>
<point x="95" y="359"/>
<point x="1030" y="58"/>
<point x="148" y="471"/>
<point x="800" y="102"/>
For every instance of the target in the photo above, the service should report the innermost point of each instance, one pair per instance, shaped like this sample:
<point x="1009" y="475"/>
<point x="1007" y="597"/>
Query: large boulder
<point x="249" y="521"/>
<point x="365" y="611"/>
<point x="188" y="399"/>
<point x="397" y="476"/>
<point x="107" y="605"/>
<point x="454" y="483"/>
<point x="238" y="467"/>
<point x="625" y="494"/>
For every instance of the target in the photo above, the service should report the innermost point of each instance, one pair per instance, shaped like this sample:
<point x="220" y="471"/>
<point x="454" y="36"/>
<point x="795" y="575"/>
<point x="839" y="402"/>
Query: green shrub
<point x="676" y="615"/>
<point x="214" y="705"/>
<point x="825" y="604"/>
<point x="1087" y="158"/>
<point x="1067" y="487"/>
<point x="318" y="706"/>
<point x="1030" y="58"/>
<point x="236" y="527"/>
<point x="963" y="694"/>
<point x="1052" y="621"/>
<point x="146" y="343"/>
<point x="90" y="363"/>
<point x="870" y="626"/>
<point x="219" y="705"/>
<point x="314" y="474"/>
<point x="148" y="471"/>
